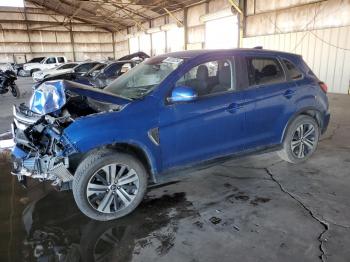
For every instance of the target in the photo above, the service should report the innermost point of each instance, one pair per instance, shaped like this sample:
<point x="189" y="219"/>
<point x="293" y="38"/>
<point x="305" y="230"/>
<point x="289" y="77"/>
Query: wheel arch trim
<point x="310" y="111"/>
<point x="140" y="151"/>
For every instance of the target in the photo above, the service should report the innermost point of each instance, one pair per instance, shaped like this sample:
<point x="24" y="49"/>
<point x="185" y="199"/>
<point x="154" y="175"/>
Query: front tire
<point x="301" y="140"/>
<point x="108" y="184"/>
<point x="15" y="91"/>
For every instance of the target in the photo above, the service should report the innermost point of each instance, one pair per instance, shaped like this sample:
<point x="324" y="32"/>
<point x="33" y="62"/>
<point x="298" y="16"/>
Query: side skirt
<point x="177" y="173"/>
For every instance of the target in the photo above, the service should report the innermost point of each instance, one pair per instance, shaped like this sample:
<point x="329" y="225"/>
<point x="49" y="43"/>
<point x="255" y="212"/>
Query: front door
<point x="209" y="126"/>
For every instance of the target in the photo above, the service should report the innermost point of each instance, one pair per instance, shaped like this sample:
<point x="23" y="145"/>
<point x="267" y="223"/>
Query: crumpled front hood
<point x="52" y="95"/>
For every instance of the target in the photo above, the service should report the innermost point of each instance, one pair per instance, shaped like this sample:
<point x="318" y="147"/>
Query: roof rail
<point x="258" y="47"/>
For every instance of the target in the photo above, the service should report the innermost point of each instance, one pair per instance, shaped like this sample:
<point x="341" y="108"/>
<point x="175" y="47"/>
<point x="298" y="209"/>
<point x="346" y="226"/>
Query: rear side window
<point x="60" y="59"/>
<point x="263" y="71"/>
<point x="292" y="71"/>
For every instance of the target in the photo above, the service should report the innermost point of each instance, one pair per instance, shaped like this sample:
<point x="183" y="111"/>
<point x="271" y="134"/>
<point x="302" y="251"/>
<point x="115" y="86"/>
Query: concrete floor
<point x="256" y="208"/>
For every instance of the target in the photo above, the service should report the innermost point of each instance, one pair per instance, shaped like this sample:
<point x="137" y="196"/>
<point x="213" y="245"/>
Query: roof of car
<point x="120" y="61"/>
<point x="195" y="53"/>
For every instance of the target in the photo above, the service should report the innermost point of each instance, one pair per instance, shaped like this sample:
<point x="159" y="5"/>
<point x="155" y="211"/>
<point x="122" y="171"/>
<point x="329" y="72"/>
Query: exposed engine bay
<point x="42" y="149"/>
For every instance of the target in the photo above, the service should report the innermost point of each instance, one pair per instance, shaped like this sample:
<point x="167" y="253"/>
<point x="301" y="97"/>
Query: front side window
<point x="142" y="79"/>
<point x="209" y="78"/>
<point x="95" y="70"/>
<point x="292" y="71"/>
<point x="83" y="68"/>
<point x="112" y="70"/>
<point x="263" y="71"/>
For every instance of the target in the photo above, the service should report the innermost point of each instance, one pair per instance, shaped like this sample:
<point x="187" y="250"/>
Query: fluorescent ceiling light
<point x="12" y="3"/>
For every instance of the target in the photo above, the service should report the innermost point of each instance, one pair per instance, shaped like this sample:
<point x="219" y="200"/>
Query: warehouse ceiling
<point x="114" y="15"/>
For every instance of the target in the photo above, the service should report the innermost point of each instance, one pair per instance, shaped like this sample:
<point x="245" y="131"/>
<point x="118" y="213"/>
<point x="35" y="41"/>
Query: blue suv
<point x="173" y="111"/>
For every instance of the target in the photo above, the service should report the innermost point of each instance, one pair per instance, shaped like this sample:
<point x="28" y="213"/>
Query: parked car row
<point x="92" y="73"/>
<point x="70" y="67"/>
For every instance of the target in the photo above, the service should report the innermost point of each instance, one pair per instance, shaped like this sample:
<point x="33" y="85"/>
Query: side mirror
<point x="182" y="94"/>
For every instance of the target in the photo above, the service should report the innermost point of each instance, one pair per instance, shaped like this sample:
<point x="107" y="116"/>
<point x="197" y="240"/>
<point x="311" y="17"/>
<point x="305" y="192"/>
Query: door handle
<point x="289" y="93"/>
<point x="232" y="108"/>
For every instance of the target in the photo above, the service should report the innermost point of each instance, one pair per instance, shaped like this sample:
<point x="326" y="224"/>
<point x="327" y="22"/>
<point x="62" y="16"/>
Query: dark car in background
<point x="108" y="74"/>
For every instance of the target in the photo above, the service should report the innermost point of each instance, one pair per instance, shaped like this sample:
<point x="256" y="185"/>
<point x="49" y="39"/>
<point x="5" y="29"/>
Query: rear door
<point x="270" y="100"/>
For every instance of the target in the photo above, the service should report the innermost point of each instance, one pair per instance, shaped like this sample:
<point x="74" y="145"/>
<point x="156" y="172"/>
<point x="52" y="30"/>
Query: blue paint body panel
<point x="204" y="128"/>
<point x="18" y="153"/>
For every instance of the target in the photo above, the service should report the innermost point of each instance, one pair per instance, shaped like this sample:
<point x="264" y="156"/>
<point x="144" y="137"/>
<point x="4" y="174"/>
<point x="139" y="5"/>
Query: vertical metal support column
<point x="241" y="21"/>
<point x="113" y="44"/>
<point x="28" y="34"/>
<point x="72" y="39"/>
<point x="240" y="16"/>
<point x="185" y="28"/>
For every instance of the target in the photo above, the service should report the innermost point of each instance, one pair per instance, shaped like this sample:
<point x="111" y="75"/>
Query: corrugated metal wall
<point x="326" y="51"/>
<point x="316" y="29"/>
<point x="35" y="34"/>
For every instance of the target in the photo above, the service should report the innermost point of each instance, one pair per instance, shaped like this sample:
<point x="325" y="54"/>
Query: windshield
<point x="66" y="66"/>
<point x="143" y="78"/>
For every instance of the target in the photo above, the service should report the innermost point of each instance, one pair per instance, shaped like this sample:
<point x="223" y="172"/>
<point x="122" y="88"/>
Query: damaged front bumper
<point x="41" y="150"/>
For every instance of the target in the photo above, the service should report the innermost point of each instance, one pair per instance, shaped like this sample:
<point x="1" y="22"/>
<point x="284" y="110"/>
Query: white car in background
<point x="65" y="68"/>
<point x="47" y="63"/>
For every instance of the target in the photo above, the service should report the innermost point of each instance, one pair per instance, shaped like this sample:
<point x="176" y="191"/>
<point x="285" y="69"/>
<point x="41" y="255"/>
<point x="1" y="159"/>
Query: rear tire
<point x="301" y="140"/>
<point x="108" y="184"/>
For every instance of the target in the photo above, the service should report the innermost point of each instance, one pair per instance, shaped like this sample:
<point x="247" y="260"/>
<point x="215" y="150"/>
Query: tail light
<point x="323" y="86"/>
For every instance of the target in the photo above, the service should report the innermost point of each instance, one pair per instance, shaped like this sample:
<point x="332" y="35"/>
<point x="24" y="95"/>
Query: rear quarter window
<point x="292" y="70"/>
<point x="264" y="71"/>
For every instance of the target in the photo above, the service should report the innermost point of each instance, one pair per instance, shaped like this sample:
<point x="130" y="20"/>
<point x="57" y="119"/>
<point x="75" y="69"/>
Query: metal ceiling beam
<point x="100" y="5"/>
<point x="173" y="16"/>
<point x="131" y="11"/>
<point x="48" y="4"/>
